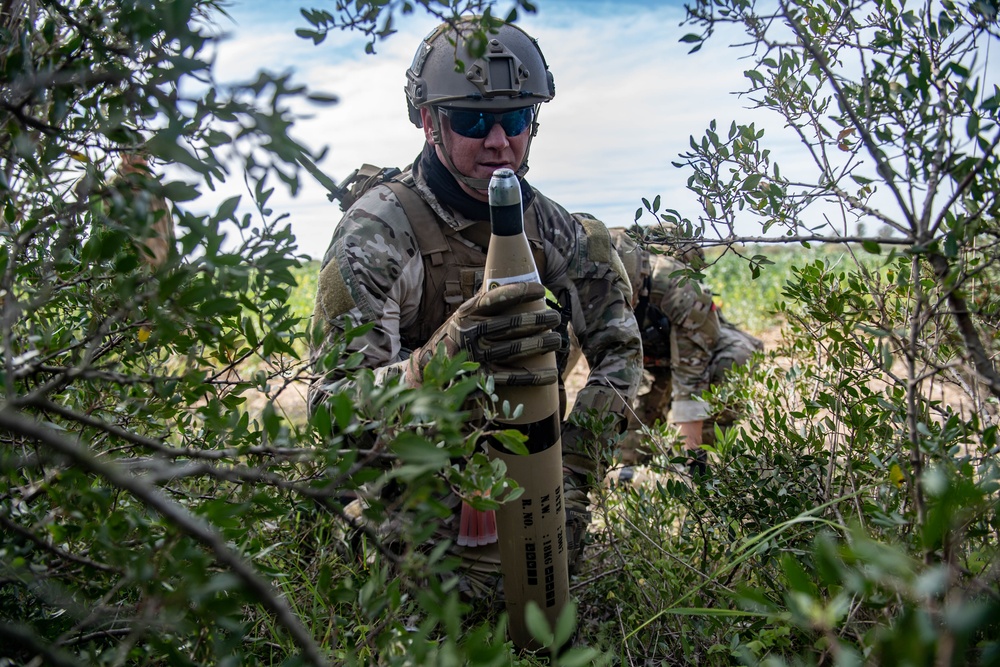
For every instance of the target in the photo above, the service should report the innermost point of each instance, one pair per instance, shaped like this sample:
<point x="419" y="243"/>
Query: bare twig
<point x="65" y="555"/>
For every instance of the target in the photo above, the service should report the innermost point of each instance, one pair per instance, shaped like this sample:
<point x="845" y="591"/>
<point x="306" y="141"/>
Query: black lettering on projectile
<point x="531" y="563"/>
<point x="550" y="574"/>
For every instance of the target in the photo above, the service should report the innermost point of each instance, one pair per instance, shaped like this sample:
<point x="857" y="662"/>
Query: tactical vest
<point x="453" y="269"/>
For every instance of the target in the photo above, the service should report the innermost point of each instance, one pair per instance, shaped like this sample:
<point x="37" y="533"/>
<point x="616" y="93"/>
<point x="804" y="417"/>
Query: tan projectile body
<point x="531" y="529"/>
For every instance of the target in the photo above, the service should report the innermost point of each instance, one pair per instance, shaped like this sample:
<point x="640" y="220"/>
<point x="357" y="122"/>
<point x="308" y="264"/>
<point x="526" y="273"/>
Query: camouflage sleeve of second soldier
<point x="371" y="273"/>
<point x="603" y="320"/>
<point x="694" y="332"/>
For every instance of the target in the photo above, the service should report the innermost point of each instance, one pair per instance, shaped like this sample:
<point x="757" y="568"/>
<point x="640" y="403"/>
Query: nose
<point x="497" y="138"/>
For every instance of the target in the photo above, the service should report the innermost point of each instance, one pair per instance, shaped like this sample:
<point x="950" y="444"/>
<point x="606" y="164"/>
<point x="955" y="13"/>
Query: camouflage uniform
<point x="687" y="344"/>
<point x="374" y="272"/>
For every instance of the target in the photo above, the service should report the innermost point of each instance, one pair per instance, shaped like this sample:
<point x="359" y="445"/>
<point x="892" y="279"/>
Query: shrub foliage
<point x="161" y="502"/>
<point x="851" y="516"/>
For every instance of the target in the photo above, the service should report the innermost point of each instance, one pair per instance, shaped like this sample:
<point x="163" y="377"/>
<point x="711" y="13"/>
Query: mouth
<point x="493" y="166"/>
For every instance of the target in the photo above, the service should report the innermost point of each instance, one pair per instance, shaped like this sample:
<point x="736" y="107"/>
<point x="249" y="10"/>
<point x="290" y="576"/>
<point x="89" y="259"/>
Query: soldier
<point x="408" y="255"/>
<point x="687" y="346"/>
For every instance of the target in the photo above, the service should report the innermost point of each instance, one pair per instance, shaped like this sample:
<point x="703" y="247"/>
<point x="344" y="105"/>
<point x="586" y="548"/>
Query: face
<point x="477" y="158"/>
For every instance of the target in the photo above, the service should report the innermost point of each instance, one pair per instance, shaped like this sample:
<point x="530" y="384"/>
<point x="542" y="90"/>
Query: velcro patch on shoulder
<point x="598" y="238"/>
<point x="333" y="297"/>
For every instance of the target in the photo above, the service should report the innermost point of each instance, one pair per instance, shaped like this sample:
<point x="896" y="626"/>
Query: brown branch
<point x="187" y="523"/>
<point x="158" y="445"/>
<point x="243" y="475"/>
<point x="882" y="164"/>
<point x="237" y="474"/>
<point x="966" y="183"/>
<point x="99" y="634"/>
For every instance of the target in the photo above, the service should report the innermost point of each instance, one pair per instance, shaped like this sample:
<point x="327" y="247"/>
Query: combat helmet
<point x="510" y="74"/>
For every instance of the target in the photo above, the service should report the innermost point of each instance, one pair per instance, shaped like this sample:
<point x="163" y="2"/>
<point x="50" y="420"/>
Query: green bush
<point x="151" y="512"/>
<point x="807" y="541"/>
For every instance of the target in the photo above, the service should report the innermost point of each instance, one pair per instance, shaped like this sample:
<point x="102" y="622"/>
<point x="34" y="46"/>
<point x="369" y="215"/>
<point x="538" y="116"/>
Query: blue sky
<point x="628" y="96"/>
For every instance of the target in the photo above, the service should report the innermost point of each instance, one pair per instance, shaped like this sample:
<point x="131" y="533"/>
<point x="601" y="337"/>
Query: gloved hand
<point x="486" y="329"/>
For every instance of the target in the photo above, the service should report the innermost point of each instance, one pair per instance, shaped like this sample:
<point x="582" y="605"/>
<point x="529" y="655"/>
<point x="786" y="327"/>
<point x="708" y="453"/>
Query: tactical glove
<point x="485" y="327"/>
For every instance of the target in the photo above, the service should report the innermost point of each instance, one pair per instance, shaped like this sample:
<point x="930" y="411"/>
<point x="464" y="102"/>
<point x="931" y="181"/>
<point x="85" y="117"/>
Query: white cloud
<point x="627" y="98"/>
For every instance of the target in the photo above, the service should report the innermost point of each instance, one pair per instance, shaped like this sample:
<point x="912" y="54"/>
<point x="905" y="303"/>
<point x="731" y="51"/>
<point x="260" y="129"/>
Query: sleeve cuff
<point x="689" y="411"/>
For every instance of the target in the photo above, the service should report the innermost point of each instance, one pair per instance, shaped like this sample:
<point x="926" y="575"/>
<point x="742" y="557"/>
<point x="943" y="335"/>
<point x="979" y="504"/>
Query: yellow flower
<point x="896" y="474"/>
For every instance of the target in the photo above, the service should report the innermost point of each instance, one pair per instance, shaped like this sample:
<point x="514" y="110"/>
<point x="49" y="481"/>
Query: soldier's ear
<point x="428" y="125"/>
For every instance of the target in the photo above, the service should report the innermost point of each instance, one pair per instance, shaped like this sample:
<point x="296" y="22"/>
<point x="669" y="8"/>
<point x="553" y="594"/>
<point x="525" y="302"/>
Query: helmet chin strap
<point x="478" y="184"/>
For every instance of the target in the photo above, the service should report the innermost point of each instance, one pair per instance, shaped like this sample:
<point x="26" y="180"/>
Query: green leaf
<point x="316" y="36"/>
<point x="584" y="657"/>
<point x="972" y="125"/>
<point x="950" y="245"/>
<point x="756" y="77"/>
<point x="323" y="98"/>
<point x="227" y="209"/>
<point x="513" y="441"/>
<point x="886" y="353"/>
<point x="565" y="624"/>
<point x="179" y="191"/>
<point x="414" y="449"/>
<point x="797" y="577"/>
<point x="537" y="624"/>
<point x="710" y="208"/>
<point x="871" y="247"/>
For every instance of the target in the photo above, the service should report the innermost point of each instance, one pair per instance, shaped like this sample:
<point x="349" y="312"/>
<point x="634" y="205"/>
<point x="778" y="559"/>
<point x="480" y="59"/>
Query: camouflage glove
<point x="486" y="329"/>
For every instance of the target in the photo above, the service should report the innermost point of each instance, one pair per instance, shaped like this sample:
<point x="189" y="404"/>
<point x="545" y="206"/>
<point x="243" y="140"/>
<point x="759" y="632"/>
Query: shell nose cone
<point x="504" y="189"/>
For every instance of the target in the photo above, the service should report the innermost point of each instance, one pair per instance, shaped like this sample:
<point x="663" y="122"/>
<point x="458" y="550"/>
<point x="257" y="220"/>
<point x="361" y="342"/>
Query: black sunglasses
<point x="477" y="124"/>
